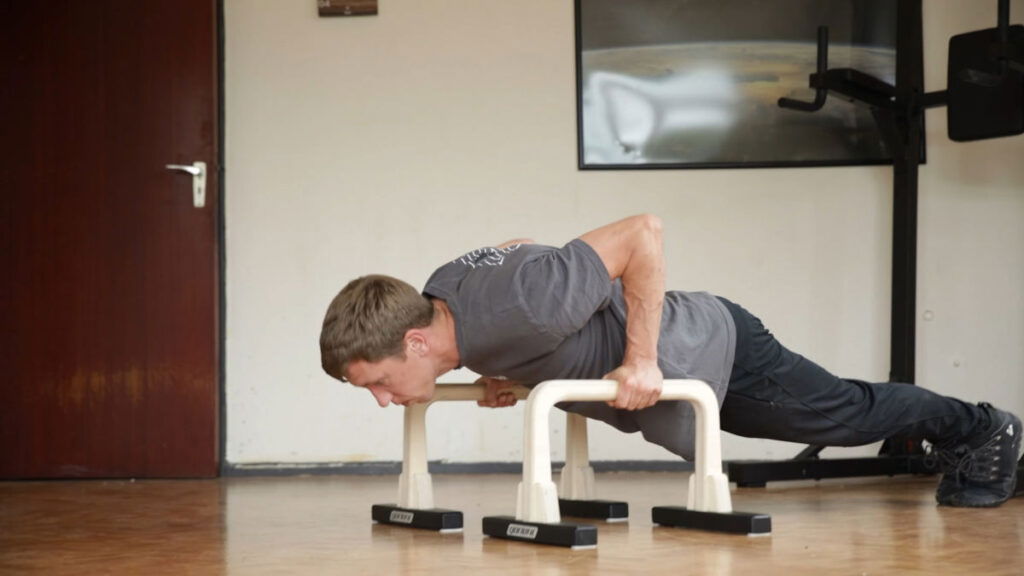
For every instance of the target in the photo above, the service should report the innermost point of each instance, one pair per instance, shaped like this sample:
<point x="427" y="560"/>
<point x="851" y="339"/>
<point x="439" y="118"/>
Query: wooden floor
<point x="321" y="525"/>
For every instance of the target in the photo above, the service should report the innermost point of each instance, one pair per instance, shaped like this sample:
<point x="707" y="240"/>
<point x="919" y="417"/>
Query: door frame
<point x="222" y="415"/>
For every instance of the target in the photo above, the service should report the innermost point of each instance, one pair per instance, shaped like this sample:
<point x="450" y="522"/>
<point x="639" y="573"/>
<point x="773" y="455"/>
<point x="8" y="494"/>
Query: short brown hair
<point x="368" y="320"/>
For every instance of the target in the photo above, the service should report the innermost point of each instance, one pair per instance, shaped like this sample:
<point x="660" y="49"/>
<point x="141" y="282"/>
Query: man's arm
<point x="631" y="250"/>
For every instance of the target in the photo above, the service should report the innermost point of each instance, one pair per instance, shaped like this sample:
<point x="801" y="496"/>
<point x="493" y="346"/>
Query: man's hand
<point x="639" y="385"/>
<point x="498" y="393"/>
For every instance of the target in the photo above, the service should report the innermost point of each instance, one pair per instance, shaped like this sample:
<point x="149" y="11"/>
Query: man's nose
<point x="382" y="397"/>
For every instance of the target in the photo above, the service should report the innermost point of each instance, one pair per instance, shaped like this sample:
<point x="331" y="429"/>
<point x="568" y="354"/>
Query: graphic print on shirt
<point x="487" y="256"/>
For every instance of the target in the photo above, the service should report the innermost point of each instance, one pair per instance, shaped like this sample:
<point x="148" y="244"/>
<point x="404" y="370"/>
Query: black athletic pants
<point x="777" y="394"/>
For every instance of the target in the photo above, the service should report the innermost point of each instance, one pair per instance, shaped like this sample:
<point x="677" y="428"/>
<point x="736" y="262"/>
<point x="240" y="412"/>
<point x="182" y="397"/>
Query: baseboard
<point x="438" y="467"/>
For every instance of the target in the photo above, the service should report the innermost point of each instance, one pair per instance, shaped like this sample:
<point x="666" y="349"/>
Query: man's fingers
<point x="497" y="393"/>
<point x="652" y="398"/>
<point x="620" y="402"/>
<point x="508" y="398"/>
<point x="632" y="399"/>
<point x="503" y="400"/>
<point x="623" y="394"/>
<point x="490" y="394"/>
<point x="638" y="388"/>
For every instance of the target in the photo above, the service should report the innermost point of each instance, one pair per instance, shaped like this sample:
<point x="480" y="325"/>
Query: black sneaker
<point x="982" y="472"/>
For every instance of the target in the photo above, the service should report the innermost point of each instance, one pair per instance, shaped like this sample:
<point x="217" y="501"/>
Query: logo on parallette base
<point x="399" y="517"/>
<point x="521" y="531"/>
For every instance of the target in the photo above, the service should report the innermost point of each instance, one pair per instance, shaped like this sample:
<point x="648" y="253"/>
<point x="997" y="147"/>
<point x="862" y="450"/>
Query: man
<point x="597" y="308"/>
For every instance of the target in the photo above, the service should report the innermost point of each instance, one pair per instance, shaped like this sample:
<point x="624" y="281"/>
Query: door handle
<point x="198" y="172"/>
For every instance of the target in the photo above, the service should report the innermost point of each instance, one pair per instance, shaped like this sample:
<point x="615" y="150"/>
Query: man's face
<point x="394" y="380"/>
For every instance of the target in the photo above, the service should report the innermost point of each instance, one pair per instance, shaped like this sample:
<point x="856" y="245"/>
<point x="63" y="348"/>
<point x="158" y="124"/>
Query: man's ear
<point x="416" y="342"/>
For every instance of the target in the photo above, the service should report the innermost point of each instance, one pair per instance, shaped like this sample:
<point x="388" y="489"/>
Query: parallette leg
<point x="576" y="486"/>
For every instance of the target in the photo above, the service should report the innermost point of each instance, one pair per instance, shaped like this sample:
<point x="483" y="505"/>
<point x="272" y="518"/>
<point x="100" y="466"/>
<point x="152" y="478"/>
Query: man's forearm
<point x="643" y="286"/>
<point x="631" y="250"/>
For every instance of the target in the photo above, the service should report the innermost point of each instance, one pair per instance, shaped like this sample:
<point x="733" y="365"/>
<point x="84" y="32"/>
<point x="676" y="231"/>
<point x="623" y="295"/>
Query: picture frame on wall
<point x="696" y="83"/>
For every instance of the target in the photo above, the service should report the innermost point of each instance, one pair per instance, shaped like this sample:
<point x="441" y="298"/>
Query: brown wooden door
<point x="108" y="273"/>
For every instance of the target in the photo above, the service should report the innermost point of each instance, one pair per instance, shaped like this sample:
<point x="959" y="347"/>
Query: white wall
<point x="394" y="143"/>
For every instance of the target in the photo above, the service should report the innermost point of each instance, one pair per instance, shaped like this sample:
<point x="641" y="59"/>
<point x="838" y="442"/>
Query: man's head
<point x="368" y="330"/>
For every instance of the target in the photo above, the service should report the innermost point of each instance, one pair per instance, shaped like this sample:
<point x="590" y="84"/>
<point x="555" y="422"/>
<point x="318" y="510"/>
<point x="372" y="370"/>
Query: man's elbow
<point x="650" y="225"/>
<point x="652" y="221"/>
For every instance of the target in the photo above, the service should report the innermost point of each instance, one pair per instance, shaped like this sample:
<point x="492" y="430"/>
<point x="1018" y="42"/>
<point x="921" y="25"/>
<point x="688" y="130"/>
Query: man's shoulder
<point x="483" y="264"/>
<point x="494" y="256"/>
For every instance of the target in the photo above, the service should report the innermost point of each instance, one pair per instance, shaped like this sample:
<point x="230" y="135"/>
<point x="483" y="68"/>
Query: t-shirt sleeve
<point x="563" y="288"/>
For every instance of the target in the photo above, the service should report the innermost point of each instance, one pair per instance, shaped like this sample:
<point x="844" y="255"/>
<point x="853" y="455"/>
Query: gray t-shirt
<point x="531" y="313"/>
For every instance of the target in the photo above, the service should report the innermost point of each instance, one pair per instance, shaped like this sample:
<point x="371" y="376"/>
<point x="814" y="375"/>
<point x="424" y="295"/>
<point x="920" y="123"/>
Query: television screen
<point x="695" y="83"/>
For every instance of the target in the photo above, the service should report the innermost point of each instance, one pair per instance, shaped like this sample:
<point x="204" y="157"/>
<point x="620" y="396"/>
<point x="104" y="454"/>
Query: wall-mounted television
<point x="695" y="83"/>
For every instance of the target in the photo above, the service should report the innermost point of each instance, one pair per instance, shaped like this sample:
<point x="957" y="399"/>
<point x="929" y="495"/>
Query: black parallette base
<point x="560" y="534"/>
<point x="732" y="522"/>
<point x="427" y="519"/>
<point x="601" y="509"/>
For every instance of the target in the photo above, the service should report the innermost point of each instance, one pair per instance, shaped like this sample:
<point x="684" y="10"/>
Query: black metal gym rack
<point x="899" y="113"/>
